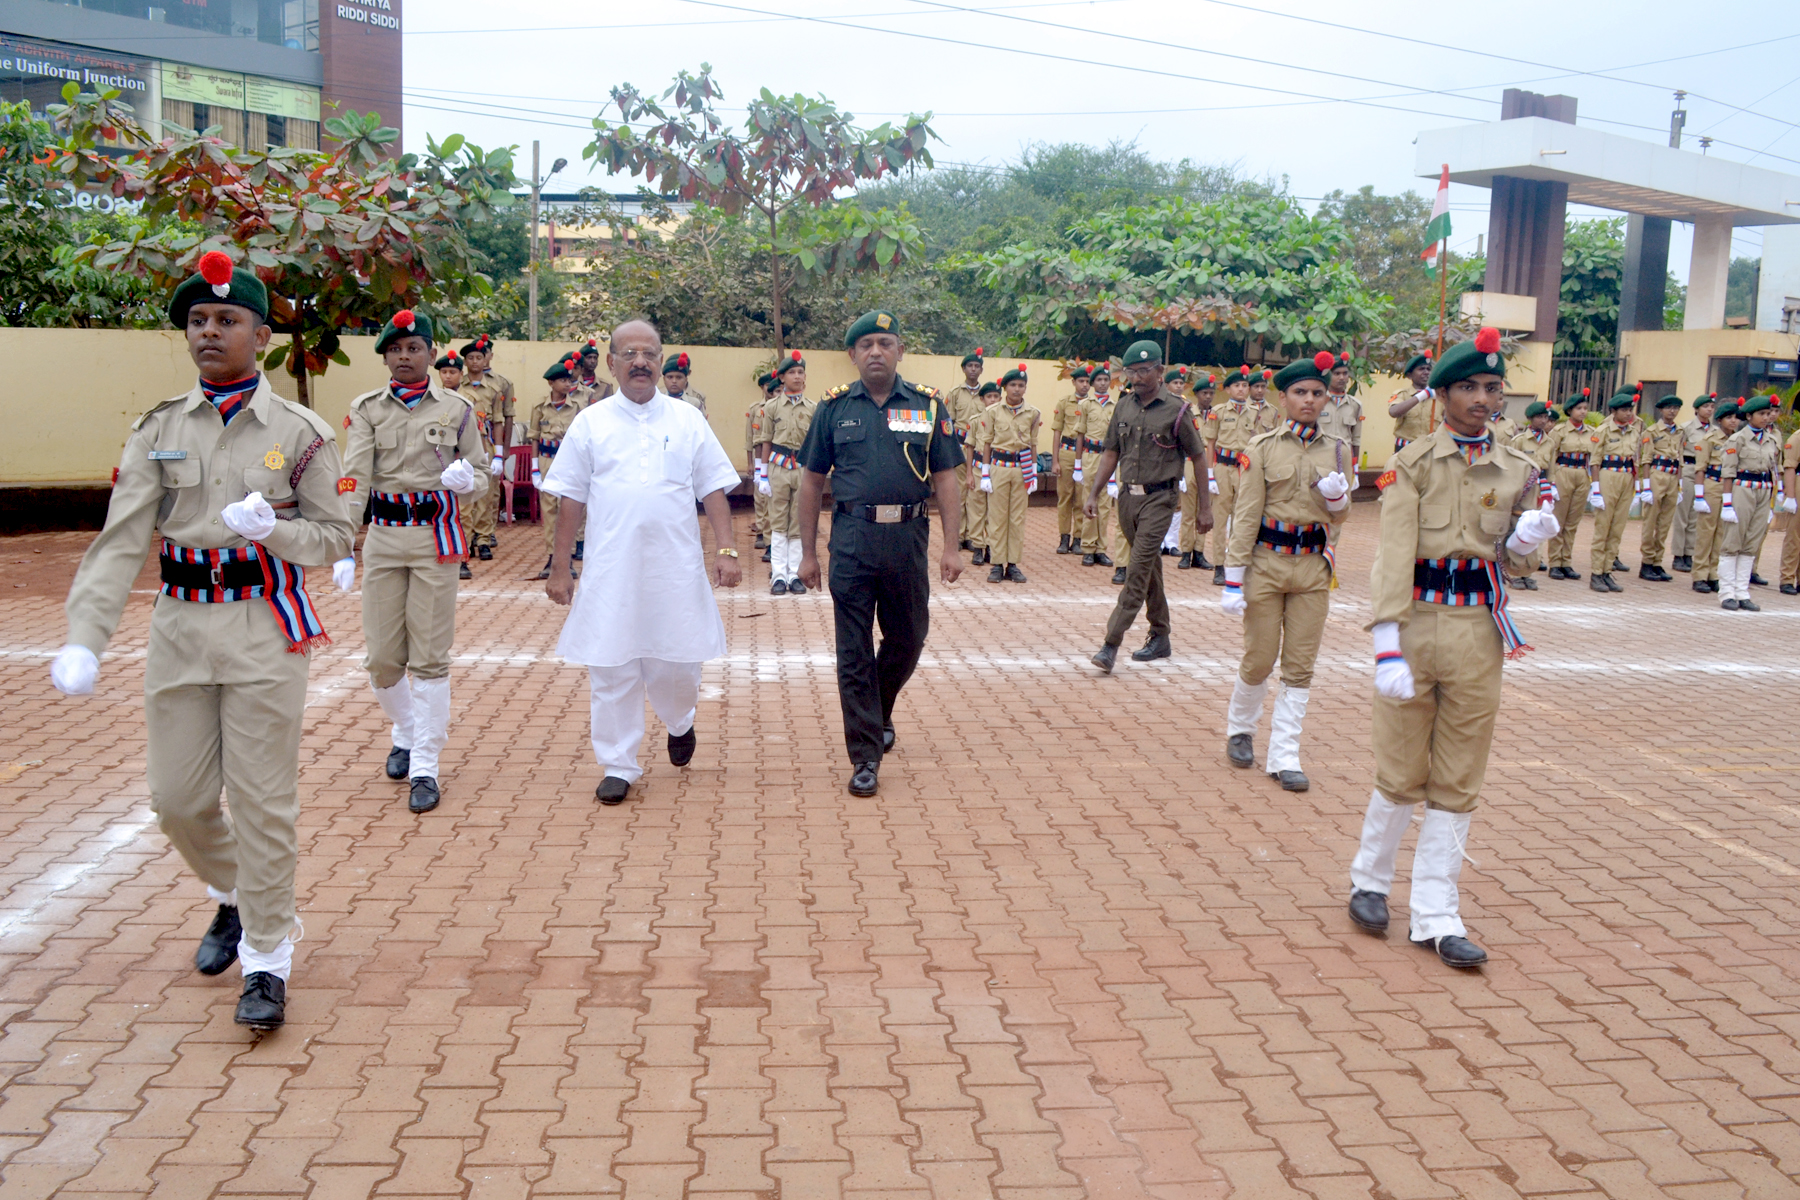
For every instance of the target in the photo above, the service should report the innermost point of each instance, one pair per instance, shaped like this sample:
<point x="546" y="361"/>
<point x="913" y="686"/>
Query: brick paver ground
<point x="1067" y="952"/>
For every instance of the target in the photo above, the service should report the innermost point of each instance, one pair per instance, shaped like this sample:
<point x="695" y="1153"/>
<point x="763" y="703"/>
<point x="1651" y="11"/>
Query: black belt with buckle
<point x="1145" y="489"/>
<point x="1068" y="442"/>
<point x="883" y="514"/>
<point x="1571" y="460"/>
<point x="200" y="577"/>
<point x="1618" y="462"/>
<point x="402" y="512"/>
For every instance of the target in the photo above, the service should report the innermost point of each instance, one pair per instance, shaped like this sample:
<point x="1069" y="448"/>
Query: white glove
<point x="1077" y="472"/>
<point x="1182" y="483"/>
<point x="1728" y="514"/>
<point x="1700" y="504"/>
<point x="987" y="478"/>
<point x="1233" y="599"/>
<point x="250" y="517"/>
<point x="1533" y="530"/>
<point x="459" y="477"/>
<point x="1555" y="493"/>
<point x="1336" y="491"/>
<point x="73" y="670"/>
<point x="1031" y="487"/>
<point x="497" y="468"/>
<point x="1212" y="482"/>
<point x="1112" y="488"/>
<point x="343" y="573"/>
<point x="1393" y="678"/>
<point x="1789" y="505"/>
<point x="537" y="478"/>
<point x="1595" y="499"/>
<point x="762" y="480"/>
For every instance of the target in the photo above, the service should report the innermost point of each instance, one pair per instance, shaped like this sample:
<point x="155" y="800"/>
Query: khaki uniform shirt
<point x="753" y="431"/>
<point x="1505" y="429"/>
<point x="181" y="466"/>
<point x="1529" y="441"/>
<point x="1614" y="441"/>
<point x="1790" y="453"/>
<point x="1570" y="439"/>
<point x="1006" y="430"/>
<point x="1691" y="434"/>
<point x="1063" y="418"/>
<point x="1342" y="418"/>
<point x="1276" y="484"/>
<point x="788" y="420"/>
<point x="1091" y="422"/>
<point x="592" y="393"/>
<point x="1663" y="441"/>
<point x="1744" y="451"/>
<point x="1419" y="420"/>
<point x="963" y="406"/>
<point x="1152" y="439"/>
<point x="1229" y="427"/>
<point x="392" y="448"/>
<point x="1440" y="506"/>
<point x="1706" y="454"/>
<point x="494" y="405"/>
<point x="546" y="428"/>
<point x="691" y="397"/>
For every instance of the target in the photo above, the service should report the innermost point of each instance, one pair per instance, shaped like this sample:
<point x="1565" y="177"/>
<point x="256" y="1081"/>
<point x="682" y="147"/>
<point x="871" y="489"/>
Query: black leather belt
<point x="1225" y="456"/>
<point x="1093" y="447"/>
<point x="1463" y="582"/>
<point x="882" y="514"/>
<point x="200" y="577"/>
<point x="1687" y="458"/>
<point x="1715" y="472"/>
<point x="1309" y="539"/>
<point x="1667" y="464"/>
<point x="1068" y="442"/>
<point x="402" y="512"/>
<point x="778" y="448"/>
<point x="1756" y="477"/>
<point x="1146" y="489"/>
<point x="1571" y="460"/>
<point x="1616" y="462"/>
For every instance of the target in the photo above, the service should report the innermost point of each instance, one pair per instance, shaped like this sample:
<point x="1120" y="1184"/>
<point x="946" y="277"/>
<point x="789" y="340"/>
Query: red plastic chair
<point x="515" y="487"/>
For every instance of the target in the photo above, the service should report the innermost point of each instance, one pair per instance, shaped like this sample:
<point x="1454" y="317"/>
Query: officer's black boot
<point x="1156" y="646"/>
<point x="1105" y="656"/>
<point x="996" y="573"/>
<point x="1186" y="563"/>
<point x="1219" y="576"/>
<point x="1087" y="560"/>
<point x="462" y="570"/>
<point x="1013" y="574"/>
<point x="1119" y="575"/>
<point x="1062" y="544"/>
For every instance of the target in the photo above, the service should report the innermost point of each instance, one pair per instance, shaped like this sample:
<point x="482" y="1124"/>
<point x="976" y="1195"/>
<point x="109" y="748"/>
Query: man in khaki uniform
<point x="1529" y="441"/>
<point x="1659" y="488"/>
<point x="411" y="456"/>
<point x="492" y="396"/>
<point x="243" y="487"/>
<point x="675" y="381"/>
<point x="1790" y="544"/>
<point x="544" y="429"/>
<point x="1415" y="409"/>
<point x="790" y="416"/>
<point x="1750" y="469"/>
<point x="1205" y="389"/>
<point x="1150" y="434"/>
<point x="1227" y="430"/>
<point x="1341" y="416"/>
<point x="1005" y="442"/>
<point x="1618" y="458"/>
<point x="1090" y="429"/>
<point x="1442" y="632"/>
<point x="754" y="417"/>
<point x="964" y="404"/>
<point x="1686" y="520"/>
<point x="450" y="374"/>
<point x="1292" y="493"/>
<point x="1709" y="535"/>
<point x="1068" y="457"/>
<point x="1568" y="458"/>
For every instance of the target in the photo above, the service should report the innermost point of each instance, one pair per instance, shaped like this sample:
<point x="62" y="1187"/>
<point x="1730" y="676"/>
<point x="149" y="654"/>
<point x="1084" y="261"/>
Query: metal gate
<point x="1602" y="376"/>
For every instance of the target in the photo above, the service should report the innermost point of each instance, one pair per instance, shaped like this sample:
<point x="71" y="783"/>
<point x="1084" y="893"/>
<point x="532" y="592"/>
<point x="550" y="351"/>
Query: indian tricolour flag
<point x="1437" y="230"/>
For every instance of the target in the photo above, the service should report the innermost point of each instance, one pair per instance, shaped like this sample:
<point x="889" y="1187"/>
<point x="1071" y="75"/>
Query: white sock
<point x="278" y="962"/>
<point x="1437" y="865"/>
<point x="1284" y="730"/>
<point x="218" y="897"/>
<point x="1245" y="711"/>
<point x="397" y="703"/>
<point x="1384" y="824"/>
<point x="431" y="725"/>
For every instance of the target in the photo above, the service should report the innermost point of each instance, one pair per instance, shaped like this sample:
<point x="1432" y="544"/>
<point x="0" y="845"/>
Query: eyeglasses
<point x="638" y="355"/>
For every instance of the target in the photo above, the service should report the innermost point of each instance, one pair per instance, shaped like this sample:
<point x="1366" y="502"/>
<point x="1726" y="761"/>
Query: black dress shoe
<point x="1218" y="576"/>
<point x="1240" y="749"/>
<point x="778" y="588"/>
<point x="1119" y="575"/>
<point x="996" y="574"/>
<point x="1598" y="584"/>
<point x="1700" y="585"/>
<point x="1291" y="781"/>
<point x="219" y="945"/>
<point x="1788" y="589"/>
<point x="1556" y="572"/>
<point x="681" y="748"/>
<point x="1200" y="563"/>
<point x="1062" y="545"/>
<point x="1101" y="558"/>
<point x="1612" y="585"/>
<point x="1757" y="580"/>
<point x="1729" y="604"/>
<point x="864" y="779"/>
<point x="463" y="572"/>
<point x="1683" y="562"/>
<point x="765" y="554"/>
<point x="1619" y="566"/>
<point x="1571" y="573"/>
<point x="1155" y="646"/>
<point x="424" y="795"/>
<point x="1749" y="606"/>
<point x="1455" y="951"/>
<point x="979" y="558"/>
<point x="612" y="790"/>
<point x="796" y="588"/>
<point x="1368" y="910"/>
<point x="545" y="573"/>
<point x="1647" y="571"/>
<point x="1105" y="656"/>
<point x="964" y="545"/>
<point x="484" y="552"/>
<point x="761" y="543"/>
<point x="1526" y="582"/>
<point x="887" y="737"/>
<point x="399" y="763"/>
<point x="263" y="1006"/>
<point x="1087" y="560"/>
<point x="1186" y="563"/>
<point x="1013" y="574"/>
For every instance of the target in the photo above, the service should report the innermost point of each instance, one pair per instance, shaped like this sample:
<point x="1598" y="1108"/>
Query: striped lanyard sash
<point x="1465" y="582"/>
<point x="445" y="522"/>
<point x="283" y="586"/>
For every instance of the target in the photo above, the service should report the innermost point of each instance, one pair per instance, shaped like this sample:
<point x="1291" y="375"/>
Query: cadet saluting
<point x="410" y="455"/>
<point x="244" y="488"/>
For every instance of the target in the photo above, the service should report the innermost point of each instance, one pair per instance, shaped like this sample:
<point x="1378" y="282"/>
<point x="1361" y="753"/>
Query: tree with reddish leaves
<point x="341" y="237"/>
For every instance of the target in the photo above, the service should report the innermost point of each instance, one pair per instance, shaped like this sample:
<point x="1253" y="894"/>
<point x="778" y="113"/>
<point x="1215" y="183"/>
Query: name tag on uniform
<point x="909" y="420"/>
<point x="167" y="455"/>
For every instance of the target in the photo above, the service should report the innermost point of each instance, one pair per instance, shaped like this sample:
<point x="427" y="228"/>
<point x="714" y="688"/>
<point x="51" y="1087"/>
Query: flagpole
<point x="1443" y="267"/>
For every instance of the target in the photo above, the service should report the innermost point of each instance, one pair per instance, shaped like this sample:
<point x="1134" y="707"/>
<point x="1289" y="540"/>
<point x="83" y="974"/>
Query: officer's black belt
<point x="882" y="514"/>
<point x="402" y="512"/>
<point x="1571" y="460"/>
<point x="1145" y="489"/>
<point x="200" y="577"/>
<point x="1463" y="582"/>
<point x="1308" y="539"/>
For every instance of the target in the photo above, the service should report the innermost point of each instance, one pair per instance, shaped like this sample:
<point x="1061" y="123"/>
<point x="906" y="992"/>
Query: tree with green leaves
<point x="793" y="157"/>
<point x="342" y="237"/>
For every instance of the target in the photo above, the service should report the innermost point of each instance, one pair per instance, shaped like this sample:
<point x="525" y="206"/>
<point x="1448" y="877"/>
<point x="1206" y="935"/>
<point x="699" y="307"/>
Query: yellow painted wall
<point x="1684" y="355"/>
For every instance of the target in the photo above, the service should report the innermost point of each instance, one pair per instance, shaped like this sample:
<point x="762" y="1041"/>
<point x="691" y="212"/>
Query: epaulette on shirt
<point x="156" y="408"/>
<point x="1265" y="435"/>
<point x="842" y="389"/>
<point x="925" y="390"/>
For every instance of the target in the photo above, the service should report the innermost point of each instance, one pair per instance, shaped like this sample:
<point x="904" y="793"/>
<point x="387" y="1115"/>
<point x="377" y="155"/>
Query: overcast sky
<point x="1329" y="95"/>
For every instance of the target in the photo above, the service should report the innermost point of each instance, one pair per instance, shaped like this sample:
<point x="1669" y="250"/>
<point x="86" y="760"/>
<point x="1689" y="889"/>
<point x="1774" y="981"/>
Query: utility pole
<point x="1677" y="121"/>
<point x="532" y="283"/>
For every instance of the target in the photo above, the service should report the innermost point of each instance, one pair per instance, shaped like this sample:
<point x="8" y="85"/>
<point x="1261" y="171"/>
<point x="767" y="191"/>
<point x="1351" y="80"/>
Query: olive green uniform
<point x="1003" y="435"/>
<point x="1151" y="441"/>
<point x="1619" y="454"/>
<point x="1663" y="444"/>
<point x="544" y="431"/>
<point x="1063" y="419"/>
<point x="224" y="685"/>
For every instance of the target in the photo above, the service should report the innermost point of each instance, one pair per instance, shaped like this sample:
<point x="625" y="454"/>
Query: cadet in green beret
<point x="1090" y="428"/>
<point x="492" y="396"/>
<point x="675" y="381"/>
<point x="1414" y="408"/>
<point x="789" y="417"/>
<point x="1750" y="469"/>
<point x="1618" y="449"/>
<point x="1709" y="534"/>
<point x="1068" y="458"/>
<point x="549" y="421"/>
<point x="754" y="418"/>
<point x="1005" y="445"/>
<point x="1529" y="441"/>
<point x="232" y="630"/>
<point x="965" y="404"/>
<point x="1193" y="551"/>
<point x="1342" y="415"/>
<point x="1567" y="458"/>
<point x="1659" y="487"/>
<point x="1686" y="530"/>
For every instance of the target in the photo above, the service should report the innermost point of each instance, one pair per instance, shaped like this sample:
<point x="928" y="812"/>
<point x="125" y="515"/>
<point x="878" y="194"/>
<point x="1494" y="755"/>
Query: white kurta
<point x="644" y="592"/>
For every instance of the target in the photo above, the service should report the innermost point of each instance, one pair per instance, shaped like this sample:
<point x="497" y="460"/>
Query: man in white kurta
<point x="642" y="618"/>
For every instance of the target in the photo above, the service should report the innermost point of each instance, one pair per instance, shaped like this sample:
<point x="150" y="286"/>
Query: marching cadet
<point x="1750" y="467"/>
<point x="1790" y="544"/>
<point x="1292" y="493"/>
<point x="1686" y="520"/>
<point x="1415" y="409"/>
<point x="790" y="416"/>
<point x="754" y="417"/>
<point x="1176" y="380"/>
<point x="964" y="404"/>
<point x="1090" y="428"/>
<point x="1149" y="436"/>
<point x="988" y="394"/>
<point x="1539" y="418"/>
<point x="1227" y="430"/>
<point x="492" y="396"/>
<point x="590" y="388"/>
<point x="450" y="370"/>
<point x="1619" y="446"/>
<point x="544" y="429"/>
<point x="411" y="457"/>
<point x="232" y="629"/>
<point x="1005" y="441"/>
<point x="1193" y="551"/>
<point x="1659" y="488"/>
<point x="1068" y="458"/>
<point x="1441" y="634"/>
<point x="1259" y="397"/>
<point x="1102" y="377"/>
<point x="1567" y="457"/>
<point x="1709" y="535"/>
<point x="450" y="373"/>
<point x="675" y="381"/>
<point x="1341" y="416"/>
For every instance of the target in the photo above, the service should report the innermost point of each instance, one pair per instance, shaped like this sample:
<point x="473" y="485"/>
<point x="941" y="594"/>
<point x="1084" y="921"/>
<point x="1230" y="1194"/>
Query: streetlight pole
<point x="532" y="283"/>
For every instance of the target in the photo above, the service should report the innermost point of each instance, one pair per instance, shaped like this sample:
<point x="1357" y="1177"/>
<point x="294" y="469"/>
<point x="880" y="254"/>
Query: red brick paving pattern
<point x="1067" y="951"/>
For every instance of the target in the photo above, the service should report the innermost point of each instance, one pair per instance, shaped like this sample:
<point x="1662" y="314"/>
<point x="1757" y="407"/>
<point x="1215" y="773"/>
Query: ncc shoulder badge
<point x="1385" y="480"/>
<point x="346" y="485"/>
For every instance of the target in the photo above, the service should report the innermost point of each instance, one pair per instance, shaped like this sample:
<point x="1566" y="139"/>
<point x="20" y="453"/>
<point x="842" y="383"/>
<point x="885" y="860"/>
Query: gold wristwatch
<point x="728" y="552"/>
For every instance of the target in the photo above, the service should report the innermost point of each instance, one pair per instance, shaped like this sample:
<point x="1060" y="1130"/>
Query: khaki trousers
<point x="223" y="703"/>
<point x="1790" y="552"/>
<point x="975" y="510"/>
<point x="1746" y="537"/>
<point x="963" y="489"/>
<point x="549" y="506"/>
<point x="409" y="604"/>
<point x="784" y="510"/>
<point x="1708" y="535"/>
<point x="1006" y="515"/>
<point x="1665" y="494"/>
<point x="1616" y="488"/>
<point x="760" y="506"/>
<point x="481" y="512"/>
<point x="1572" y="483"/>
<point x="1682" y="536"/>
<point x="1190" y="507"/>
<point x="1144" y="519"/>
<point x="1286" y="597"/>
<point x="1223" y="503"/>
<point x="1094" y="528"/>
<point x="1068" y="504"/>
<point x="1433" y="749"/>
